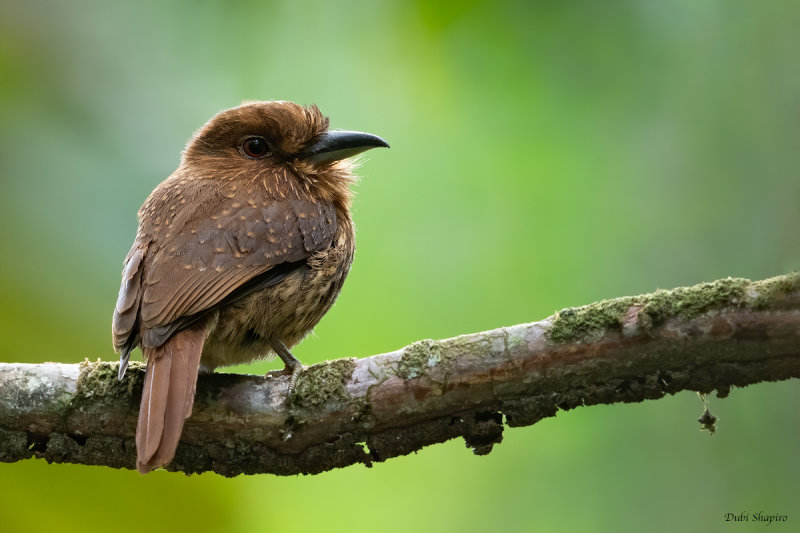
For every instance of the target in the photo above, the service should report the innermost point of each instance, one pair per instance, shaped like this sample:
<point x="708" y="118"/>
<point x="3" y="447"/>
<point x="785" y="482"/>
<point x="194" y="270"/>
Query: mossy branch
<point x="710" y="336"/>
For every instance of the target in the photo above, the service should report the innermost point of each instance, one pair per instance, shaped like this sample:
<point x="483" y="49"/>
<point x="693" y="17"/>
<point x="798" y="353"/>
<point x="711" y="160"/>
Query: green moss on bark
<point x="590" y="322"/>
<point x="689" y="302"/>
<point x="323" y="382"/>
<point x="769" y="291"/>
<point x="99" y="379"/>
<point x="417" y="357"/>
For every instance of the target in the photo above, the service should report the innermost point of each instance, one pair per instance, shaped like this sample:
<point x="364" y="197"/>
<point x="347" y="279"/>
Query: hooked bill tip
<point x="338" y="145"/>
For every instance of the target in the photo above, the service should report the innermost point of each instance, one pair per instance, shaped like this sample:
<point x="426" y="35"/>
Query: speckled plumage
<point x="235" y="257"/>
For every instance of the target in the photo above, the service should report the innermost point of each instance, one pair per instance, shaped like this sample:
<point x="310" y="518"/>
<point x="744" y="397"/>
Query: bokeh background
<point x="544" y="155"/>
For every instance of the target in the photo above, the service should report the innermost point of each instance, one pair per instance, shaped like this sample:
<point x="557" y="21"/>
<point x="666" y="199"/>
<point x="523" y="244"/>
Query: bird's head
<point x="276" y="141"/>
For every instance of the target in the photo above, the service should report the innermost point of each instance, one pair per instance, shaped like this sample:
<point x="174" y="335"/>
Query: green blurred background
<point x="544" y="155"/>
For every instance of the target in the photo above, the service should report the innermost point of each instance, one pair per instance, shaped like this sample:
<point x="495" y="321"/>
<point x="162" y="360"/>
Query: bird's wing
<point x="124" y="326"/>
<point x="187" y="269"/>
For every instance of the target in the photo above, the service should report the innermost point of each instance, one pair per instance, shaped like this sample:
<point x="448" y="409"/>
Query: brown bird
<point x="238" y="255"/>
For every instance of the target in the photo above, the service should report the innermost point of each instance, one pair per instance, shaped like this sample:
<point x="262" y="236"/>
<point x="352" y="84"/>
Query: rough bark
<point x="712" y="336"/>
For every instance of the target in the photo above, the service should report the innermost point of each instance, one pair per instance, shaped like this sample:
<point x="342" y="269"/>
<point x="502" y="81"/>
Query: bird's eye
<point x="255" y="147"/>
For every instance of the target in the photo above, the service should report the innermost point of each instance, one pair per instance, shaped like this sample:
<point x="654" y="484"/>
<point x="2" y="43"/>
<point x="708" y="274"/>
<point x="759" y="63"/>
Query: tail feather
<point x="154" y="404"/>
<point x="167" y="398"/>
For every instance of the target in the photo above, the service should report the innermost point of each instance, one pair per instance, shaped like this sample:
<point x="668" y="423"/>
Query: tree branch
<point x="710" y="336"/>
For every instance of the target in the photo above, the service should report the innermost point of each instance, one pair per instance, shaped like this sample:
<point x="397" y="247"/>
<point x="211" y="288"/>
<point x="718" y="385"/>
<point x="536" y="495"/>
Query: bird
<point x="238" y="255"/>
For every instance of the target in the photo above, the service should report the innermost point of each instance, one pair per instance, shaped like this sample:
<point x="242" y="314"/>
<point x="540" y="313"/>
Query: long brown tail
<point x="167" y="398"/>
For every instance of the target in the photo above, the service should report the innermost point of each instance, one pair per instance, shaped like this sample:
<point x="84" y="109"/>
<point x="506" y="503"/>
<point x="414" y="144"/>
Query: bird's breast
<point x="286" y="311"/>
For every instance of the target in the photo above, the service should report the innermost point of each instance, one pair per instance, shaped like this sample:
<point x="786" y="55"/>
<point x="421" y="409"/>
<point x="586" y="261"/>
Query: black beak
<point x="337" y="145"/>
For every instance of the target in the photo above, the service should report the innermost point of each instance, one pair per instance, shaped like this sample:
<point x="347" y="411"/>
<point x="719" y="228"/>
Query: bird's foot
<point x="293" y="366"/>
<point x="293" y="371"/>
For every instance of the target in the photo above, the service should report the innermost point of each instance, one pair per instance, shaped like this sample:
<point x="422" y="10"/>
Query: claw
<point x="296" y="371"/>
<point x="293" y="366"/>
